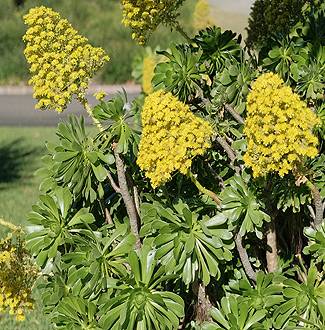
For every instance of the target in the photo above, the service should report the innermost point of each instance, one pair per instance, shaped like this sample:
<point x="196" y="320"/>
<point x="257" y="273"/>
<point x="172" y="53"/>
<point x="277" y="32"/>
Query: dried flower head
<point x="172" y="136"/>
<point x="61" y="61"/>
<point x="279" y="128"/>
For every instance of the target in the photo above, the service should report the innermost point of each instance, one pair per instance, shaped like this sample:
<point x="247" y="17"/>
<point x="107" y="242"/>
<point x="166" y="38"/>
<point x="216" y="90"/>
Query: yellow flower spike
<point x="278" y="128"/>
<point x="144" y="16"/>
<point x="172" y="136"/>
<point x="61" y="61"/>
<point x="149" y="64"/>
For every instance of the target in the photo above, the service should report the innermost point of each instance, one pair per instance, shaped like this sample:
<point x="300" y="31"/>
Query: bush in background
<point x="12" y="63"/>
<point x="269" y="18"/>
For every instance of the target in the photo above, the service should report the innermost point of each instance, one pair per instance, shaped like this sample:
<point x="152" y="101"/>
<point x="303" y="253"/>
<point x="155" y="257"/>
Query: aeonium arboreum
<point x="187" y="244"/>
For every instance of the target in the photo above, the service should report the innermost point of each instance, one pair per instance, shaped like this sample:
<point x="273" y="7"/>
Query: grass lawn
<point x="21" y="150"/>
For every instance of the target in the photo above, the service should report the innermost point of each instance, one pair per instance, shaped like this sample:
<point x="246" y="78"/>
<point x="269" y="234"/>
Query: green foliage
<point x="77" y="162"/>
<point x="241" y="206"/>
<point x="94" y="255"/>
<point x="75" y="313"/>
<point x="186" y="245"/>
<point x="299" y="57"/>
<point x="235" y="314"/>
<point x="274" y="302"/>
<point x="318" y="170"/>
<point x="231" y="85"/>
<point x="288" y="196"/>
<point x="140" y="302"/>
<point x="316" y="244"/>
<point x="265" y="295"/>
<point x="55" y="222"/>
<point x="285" y="58"/>
<point x="181" y="75"/>
<point x="311" y="25"/>
<point x="303" y="302"/>
<point x="217" y="47"/>
<point x="122" y="122"/>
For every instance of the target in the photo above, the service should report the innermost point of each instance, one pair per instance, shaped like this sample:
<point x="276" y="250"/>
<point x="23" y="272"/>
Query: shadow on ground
<point x="15" y="158"/>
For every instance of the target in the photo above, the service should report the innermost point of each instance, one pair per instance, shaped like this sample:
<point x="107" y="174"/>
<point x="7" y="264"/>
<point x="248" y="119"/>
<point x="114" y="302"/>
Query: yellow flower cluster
<point x="143" y="16"/>
<point x="172" y="136"/>
<point x="278" y="128"/>
<point x="17" y="275"/>
<point x="100" y="95"/>
<point x="16" y="304"/>
<point x="61" y="61"/>
<point x="202" y="17"/>
<point x="149" y="64"/>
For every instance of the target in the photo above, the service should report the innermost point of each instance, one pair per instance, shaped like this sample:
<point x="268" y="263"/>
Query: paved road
<point x="18" y="110"/>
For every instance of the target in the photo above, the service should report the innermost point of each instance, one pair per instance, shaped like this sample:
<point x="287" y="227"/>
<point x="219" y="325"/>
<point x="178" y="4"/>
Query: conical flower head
<point x="144" y="16"/>
<point x="279" y="128"/>
<point x="61" y="61"/>
<point x="172" y="136"/>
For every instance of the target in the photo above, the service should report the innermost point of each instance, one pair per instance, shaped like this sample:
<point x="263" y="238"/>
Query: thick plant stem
<point x="203" y="304"/>
<point x="235" y="114"/>
<point x="204" y="190"/>
<point x="87" y="107"/>
<point x="180" y="30"/>
<point x="230" y="153"/>
<point x="9" y="225"/>
<point x="127" y="198"/>
<point x="319" y="210"/>
<point x="272" y="251"/>
<point x="136" y="199"/>
<point x="108" y="217"/>
<point x="243" y="255"/>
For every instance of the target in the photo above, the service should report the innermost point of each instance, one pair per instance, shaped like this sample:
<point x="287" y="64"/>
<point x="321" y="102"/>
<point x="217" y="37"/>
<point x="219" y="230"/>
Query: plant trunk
<point x="272" y="250"/>
<point x="127" y="198"/>
<point x="108" y="216"/>
<point x="319" y="210"/>
<point x="230" y="153"/>
<point x="235" y="114"/>
<point x="203" y="304"/>
<point x="243" y="255"/>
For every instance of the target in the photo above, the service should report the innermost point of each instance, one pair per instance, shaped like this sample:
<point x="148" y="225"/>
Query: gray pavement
<point x="18" y="110"/>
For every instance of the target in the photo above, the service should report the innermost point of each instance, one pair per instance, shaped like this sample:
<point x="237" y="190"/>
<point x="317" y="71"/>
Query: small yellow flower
<point x="20" y="317"/>
<point x="100" y="95"/>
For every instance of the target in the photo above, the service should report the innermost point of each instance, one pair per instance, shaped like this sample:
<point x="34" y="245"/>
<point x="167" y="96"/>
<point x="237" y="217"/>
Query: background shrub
<point x="269" y="18"/>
